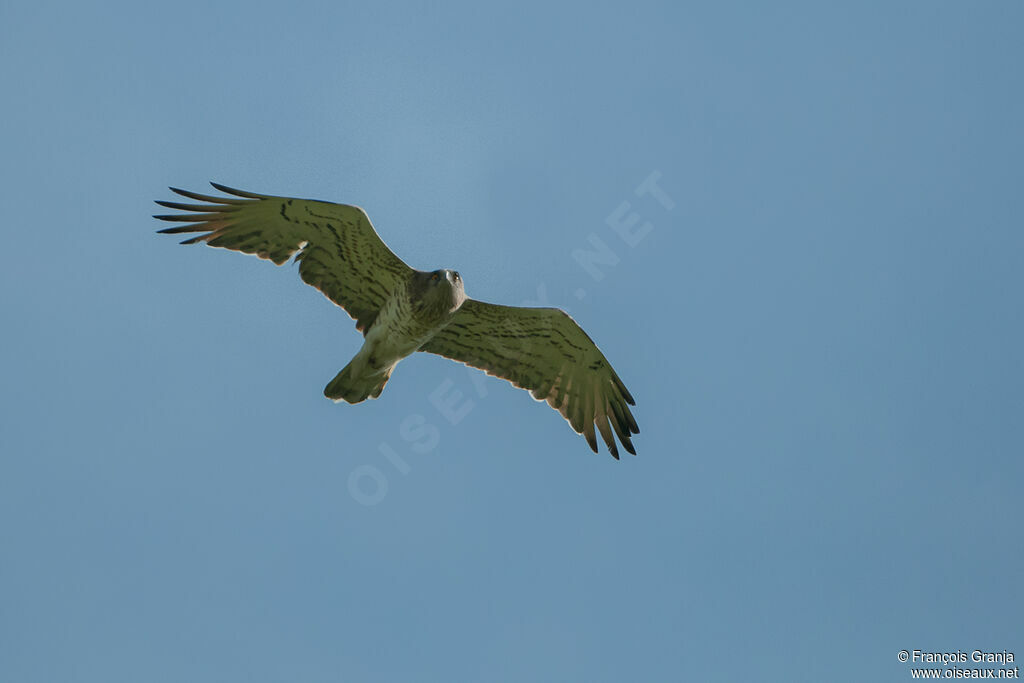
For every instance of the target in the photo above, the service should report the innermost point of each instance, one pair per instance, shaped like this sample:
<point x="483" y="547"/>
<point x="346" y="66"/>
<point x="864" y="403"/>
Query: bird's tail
<point x="356" y="388"/>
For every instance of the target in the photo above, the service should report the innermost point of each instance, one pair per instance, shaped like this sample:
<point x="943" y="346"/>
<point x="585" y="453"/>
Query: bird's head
<point x="444" y="288"/>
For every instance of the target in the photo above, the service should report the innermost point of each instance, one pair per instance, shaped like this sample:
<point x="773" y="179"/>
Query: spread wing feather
<point x="544" y="351"/>
<point x="339" y="252"/>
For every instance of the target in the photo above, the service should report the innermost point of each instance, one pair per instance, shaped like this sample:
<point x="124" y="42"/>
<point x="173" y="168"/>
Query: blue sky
<point x="823" y="335"/>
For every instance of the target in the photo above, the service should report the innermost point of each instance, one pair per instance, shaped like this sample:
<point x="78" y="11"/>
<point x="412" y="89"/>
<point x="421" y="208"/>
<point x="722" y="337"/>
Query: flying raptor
<point x="401" y="310"/>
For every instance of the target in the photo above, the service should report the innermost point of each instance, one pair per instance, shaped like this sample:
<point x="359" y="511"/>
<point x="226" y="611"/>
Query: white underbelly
<point x="386" y="346"/>
<point x="393" y="336"/>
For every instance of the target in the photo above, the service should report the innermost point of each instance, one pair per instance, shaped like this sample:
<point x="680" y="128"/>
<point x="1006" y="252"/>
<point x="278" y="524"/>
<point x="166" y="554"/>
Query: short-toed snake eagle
<point x="401" y="310"/>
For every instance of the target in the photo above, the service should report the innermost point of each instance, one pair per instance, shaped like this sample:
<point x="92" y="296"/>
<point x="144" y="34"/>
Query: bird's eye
<point x="456" y="273"/>
<point x="434" y="277"/>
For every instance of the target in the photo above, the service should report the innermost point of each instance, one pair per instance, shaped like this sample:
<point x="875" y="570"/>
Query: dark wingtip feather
<point x="621" y="428"/>
<point x="177" y="206"/>
<point x="623" y="390"/>
<point x="236" y="192"/>
<point x="177" y="218"/>
<point x="606" y="435"/>
<point x="206" y="198"/>
<point x="626" y="422"/>
<point x="182" y="228"/>
<point x="201" y="208"/>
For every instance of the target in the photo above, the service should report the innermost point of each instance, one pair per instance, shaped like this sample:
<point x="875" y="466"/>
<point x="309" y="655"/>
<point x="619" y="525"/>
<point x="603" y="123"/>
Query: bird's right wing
<point x="339" y="252"/>
<point x="544" y="351"/>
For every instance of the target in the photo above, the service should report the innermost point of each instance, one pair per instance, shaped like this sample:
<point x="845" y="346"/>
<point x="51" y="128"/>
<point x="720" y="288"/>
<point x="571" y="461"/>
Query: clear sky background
<point x="823" y="334"/>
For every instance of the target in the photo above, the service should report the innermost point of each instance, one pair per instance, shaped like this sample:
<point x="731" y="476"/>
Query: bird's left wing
<point x="544" y="351"/>
<point x="339" y="252"/>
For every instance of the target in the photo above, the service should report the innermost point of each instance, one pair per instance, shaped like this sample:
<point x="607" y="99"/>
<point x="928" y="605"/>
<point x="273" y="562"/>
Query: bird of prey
<point x="401" y="310"/>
